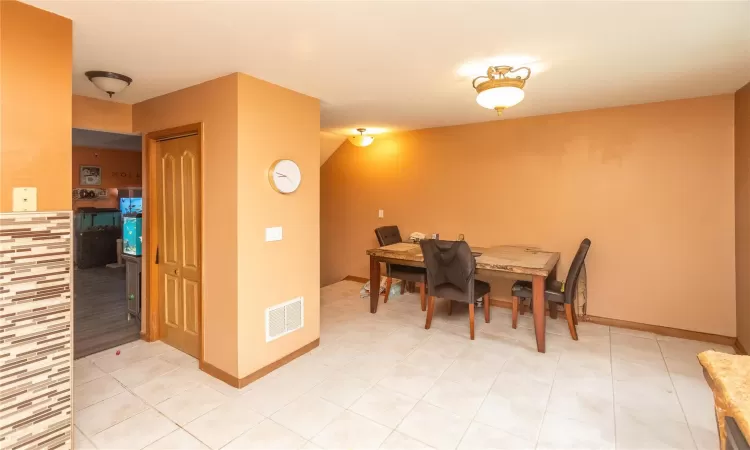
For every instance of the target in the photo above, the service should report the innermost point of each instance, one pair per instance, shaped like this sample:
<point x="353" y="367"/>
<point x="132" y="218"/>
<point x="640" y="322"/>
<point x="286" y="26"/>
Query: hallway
<point x="101" y="311"/>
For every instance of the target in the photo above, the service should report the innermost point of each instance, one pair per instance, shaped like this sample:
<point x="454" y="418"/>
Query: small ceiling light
<point x="110" y="82"/>
<point x="362" y="140"/>
<point x="501" y="89"/>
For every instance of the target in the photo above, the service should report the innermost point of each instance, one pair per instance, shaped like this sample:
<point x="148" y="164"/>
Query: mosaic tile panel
<point x="35" y="331"/>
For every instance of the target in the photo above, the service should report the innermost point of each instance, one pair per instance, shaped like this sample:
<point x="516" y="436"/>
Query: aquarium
<point x="131" y="205"/>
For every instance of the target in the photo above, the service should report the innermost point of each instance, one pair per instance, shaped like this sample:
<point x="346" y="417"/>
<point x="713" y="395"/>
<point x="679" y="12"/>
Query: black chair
<point x="450" y="275"/>
<point x="390" y="235"/>
<point x="554" y="292"/>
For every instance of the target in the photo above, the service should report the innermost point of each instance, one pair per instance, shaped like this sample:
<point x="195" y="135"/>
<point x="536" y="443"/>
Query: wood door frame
<point x="151" y="230"/>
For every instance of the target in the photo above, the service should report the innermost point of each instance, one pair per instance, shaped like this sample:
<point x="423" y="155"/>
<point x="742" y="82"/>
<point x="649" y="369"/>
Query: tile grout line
<point x="327" y="401"/>
<point x="395" y="428"/>
<point x="546" y="405"/>
<point x="432" y="334"/>
<point x="494" y="380"/>
<point x="360" y="396"/>
<point x="148" y="405"/>
<point x="682" y="408"/>
<point x="105" y="374"/>
<point x="612" y="373"/>
<point x="196" y="418"/>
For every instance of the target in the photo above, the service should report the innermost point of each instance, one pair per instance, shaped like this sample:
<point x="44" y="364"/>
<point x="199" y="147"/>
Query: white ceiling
<point x="393" y="65"/>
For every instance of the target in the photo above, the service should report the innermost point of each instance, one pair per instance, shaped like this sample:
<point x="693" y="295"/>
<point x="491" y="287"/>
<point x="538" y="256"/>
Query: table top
<point x="502" y="258"/>
<point x="731" y="377"/>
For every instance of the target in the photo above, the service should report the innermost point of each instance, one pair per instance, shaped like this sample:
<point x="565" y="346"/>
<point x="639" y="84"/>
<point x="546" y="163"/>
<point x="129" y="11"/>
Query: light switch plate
<point x="380" y="213"/>
<point x="24" y="199"/>
<point x="273" y="234"/>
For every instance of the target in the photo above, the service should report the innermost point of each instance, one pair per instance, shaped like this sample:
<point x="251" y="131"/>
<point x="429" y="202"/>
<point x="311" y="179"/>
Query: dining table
<point x="509" y="261"/>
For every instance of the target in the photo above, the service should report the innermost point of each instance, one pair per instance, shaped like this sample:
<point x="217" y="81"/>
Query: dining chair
<point x="555" y="291"/>
<point x="450" y="275"/>
<point x="390" y="235"/>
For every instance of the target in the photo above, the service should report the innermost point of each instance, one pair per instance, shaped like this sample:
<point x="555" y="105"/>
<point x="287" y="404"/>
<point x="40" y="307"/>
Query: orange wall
<point x="742" y="211"/>
<point x="36" y="66"/>
<point x="276" y="123"/>
<point x="214" y="103"/>
<point x="119" y="169"/>
<point x="651" y="185"/>
<point x="95" y="114"/>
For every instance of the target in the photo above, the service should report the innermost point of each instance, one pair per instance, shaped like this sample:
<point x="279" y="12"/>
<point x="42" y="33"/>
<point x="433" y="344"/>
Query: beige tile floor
<point x="383" y="381"/>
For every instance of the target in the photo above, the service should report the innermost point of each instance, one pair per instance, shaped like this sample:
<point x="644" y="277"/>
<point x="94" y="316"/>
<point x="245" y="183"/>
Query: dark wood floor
<point x="101" y="311"/>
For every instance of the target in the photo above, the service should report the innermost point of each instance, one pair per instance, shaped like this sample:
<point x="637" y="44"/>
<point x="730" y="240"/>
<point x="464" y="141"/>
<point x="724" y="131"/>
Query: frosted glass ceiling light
<point x="362" y="140"/>
<point x="109" y="82"/>
<point x="500" y="89"/>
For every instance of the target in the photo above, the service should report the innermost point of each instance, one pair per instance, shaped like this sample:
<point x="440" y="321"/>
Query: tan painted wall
<point x="36" y="66"/>
<point x="276" y="123"/>
<point x="651" y="185"/>
<point x="95" y="114"/>
<point x="742" y="211"/>
<point x="214" y="103"/>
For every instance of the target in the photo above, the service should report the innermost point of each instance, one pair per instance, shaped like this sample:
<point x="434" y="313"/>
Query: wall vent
<point x="284" y="318"/>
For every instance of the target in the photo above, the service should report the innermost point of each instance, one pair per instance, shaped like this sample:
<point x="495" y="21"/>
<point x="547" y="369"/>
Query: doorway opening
<point x="107" y="207"/>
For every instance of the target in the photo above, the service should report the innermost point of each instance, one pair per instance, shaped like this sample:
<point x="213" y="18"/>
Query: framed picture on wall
<point x="91" y="176"/>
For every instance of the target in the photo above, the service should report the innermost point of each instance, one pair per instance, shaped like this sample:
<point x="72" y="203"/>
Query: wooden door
<point x="178" y="185"/>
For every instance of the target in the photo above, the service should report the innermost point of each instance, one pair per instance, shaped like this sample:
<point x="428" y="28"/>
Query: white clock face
<point x="285" y="176"/>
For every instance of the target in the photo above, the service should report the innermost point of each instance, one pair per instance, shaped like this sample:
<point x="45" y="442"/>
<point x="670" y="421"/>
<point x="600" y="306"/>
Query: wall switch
<point x="24" y="199"/>
<point x="273" y="234"/>
<point x="380" y="214"/>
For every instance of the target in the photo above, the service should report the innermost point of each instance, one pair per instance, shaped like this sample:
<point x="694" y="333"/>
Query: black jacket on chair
<point x="450" y="271"/>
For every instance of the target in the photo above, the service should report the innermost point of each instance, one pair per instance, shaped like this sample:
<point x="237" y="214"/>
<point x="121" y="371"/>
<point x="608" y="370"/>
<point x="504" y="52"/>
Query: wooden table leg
<point x="374" y="284"/>
<point x="537" y="292"/>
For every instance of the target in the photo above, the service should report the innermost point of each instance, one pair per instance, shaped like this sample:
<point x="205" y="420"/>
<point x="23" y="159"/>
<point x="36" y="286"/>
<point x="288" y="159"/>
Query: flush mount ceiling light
<point x="501" y="88"/>
<point x="362" y="140"/>
<point x="109" y="82"/>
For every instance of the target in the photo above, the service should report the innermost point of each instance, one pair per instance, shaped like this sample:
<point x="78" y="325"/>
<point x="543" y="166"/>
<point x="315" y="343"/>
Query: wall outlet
<point x="273" y="234"/>
<point x="380" y="214"/>
<point x="24" y="199"/>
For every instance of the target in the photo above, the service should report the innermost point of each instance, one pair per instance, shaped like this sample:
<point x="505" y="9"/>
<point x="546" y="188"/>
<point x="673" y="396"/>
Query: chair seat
<point x="448" y="291"/>
<point x="407" y="273"/>
<point x="552" y="292"/>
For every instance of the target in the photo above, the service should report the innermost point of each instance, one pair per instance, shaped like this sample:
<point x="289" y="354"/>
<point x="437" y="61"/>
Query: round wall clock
<point x="284" y="176"/>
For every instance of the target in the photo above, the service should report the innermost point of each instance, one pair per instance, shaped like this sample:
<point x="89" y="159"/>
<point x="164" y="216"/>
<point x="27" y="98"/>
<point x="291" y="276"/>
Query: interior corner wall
<point x="651" y="185"/>
<point x="102" y="115"/>
<point x="36" y="341"/>
<point x="35" y="81"/>
<point x="742" y="211"/>
<point x="276" y="123"/>
<point x="214" y="104"/>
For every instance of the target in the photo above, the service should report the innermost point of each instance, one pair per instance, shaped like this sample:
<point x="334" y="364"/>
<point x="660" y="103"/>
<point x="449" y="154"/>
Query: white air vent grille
<point x="284" y="318"/>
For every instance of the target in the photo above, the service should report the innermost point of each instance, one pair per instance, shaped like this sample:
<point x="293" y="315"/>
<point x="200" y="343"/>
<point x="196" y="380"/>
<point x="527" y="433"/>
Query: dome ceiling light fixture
<point x="501" y="88"/>
<point x="110" y="82"/>
<point x="362" y="140"/>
